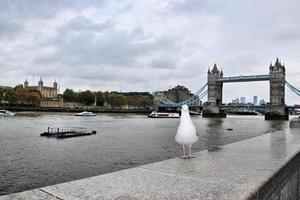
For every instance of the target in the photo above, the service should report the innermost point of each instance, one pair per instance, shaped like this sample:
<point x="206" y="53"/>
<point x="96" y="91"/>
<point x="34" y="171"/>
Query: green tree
<point x="11" y="96"/>
<point x="121" y="100"/>
<point x="106" y="94"/>
<point x="86" y="97"/>
<point x="100" y="98"/>
<point x="2" y="94"/>
<point x="116" y="100"/>
<point x="69" y="95"/>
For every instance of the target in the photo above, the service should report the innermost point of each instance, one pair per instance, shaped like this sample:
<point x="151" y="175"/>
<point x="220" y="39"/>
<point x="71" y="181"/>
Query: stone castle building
<point x="50" y="96"/>
<point x="178" y="94"/>
<point x="46" y="91"/>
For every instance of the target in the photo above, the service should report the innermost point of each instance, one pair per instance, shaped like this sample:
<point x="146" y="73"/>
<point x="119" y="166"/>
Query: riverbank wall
<point x="264" y="167"/>
<point x="73" y="110"/>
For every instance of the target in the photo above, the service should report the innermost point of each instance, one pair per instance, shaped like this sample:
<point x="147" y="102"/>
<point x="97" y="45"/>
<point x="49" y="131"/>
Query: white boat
<point x="86" y="114"/>
<point x="155" y="114"/>
<point x="295" y="122"/>
<point x="6" y="113"/>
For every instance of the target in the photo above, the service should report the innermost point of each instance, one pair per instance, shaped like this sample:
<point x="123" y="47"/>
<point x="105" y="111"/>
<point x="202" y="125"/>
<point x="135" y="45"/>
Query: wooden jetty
<point x="67" y="132"/>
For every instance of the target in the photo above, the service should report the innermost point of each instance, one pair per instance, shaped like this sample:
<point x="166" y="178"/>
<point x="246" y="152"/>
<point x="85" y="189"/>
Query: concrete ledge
<point x="264" y="167"/>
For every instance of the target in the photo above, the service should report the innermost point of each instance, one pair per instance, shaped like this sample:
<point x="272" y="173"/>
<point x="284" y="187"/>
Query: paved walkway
<point x="235" y="171"/>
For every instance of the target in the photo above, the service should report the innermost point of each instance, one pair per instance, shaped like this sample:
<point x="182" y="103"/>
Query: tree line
<point x="114" y="99"/>
<point x="20" y="95"/>
<point x="24" y="96"/>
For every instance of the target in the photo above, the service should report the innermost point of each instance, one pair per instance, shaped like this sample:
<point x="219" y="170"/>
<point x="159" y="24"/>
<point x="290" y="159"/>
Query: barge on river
<point x="67" y="132"/>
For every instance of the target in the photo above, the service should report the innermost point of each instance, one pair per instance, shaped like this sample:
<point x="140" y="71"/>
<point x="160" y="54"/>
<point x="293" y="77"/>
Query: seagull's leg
<point x="184" y="156"/>
<point x="190" y="150"/>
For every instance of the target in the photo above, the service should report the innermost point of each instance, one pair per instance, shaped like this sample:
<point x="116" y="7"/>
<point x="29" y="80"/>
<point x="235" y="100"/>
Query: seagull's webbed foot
<point x="190" y="156"/>
<point x="187" y="156"/>
<point x="184" y="157"/>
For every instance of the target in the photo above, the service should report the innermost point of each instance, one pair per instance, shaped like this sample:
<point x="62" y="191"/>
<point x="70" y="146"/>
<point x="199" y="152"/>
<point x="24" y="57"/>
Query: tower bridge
<point x="275" y="109"/>
<point x="276" y="77"/>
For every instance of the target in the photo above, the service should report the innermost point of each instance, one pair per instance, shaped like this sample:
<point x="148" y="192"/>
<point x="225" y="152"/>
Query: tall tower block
<point x="277" y="109"/>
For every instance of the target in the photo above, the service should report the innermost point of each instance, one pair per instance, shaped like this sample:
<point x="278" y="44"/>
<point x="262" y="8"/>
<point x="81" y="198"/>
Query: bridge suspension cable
<point x="294" y="89"/>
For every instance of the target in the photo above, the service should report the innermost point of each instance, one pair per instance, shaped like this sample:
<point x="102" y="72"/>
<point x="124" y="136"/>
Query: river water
<point x="122" y="141"/>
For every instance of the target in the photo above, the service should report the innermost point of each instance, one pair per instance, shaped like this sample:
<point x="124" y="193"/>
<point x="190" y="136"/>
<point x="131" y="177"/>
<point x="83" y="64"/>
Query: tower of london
<point x="47" y="92"/>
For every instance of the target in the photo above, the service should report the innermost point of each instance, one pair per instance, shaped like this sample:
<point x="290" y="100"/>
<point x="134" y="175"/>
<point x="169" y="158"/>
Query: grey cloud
<point x="163" y="63"/>
<point x="14" y="14"/>
<point x="9" y="27"/>
<point x="188" y="6"/>
<point x="84" y="24"/>
<point x="291" y="36"/>
<point x="99" y="44"/>
<point x="44" y="9"/>
<point x="144" y="45"/>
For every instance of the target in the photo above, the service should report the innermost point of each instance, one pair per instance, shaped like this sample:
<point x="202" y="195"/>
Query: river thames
<point x="122" y="141"/>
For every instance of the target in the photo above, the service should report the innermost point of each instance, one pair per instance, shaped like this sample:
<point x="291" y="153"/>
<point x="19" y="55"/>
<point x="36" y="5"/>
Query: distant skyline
<point x="148" y="45"/>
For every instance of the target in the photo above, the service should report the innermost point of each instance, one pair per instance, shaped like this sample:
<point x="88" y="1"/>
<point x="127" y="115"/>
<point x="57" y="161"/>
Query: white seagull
<point x="186" y="132"/>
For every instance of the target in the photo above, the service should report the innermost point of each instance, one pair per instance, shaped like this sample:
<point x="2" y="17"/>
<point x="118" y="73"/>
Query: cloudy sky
<point x="148" y="45"/>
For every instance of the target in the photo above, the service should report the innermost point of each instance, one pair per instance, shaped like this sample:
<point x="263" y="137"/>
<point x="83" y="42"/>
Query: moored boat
<point x="155" y="114"/>
<point x="85" y="114"/>
<point x="6" y="113"/>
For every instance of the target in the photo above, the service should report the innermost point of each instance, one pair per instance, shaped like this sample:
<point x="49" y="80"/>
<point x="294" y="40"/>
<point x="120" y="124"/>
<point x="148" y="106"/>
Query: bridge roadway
<point x="263" y="167"/>
<point x="242" y="78"/>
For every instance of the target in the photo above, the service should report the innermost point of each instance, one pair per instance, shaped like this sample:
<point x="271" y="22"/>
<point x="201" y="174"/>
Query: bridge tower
<point x="215" y="92"/>
<point x="215" y="88"/>
<point x="276" y="109"/>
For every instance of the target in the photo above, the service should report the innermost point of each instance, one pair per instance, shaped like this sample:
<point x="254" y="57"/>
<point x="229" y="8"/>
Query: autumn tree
<point x="34" y="97"/>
